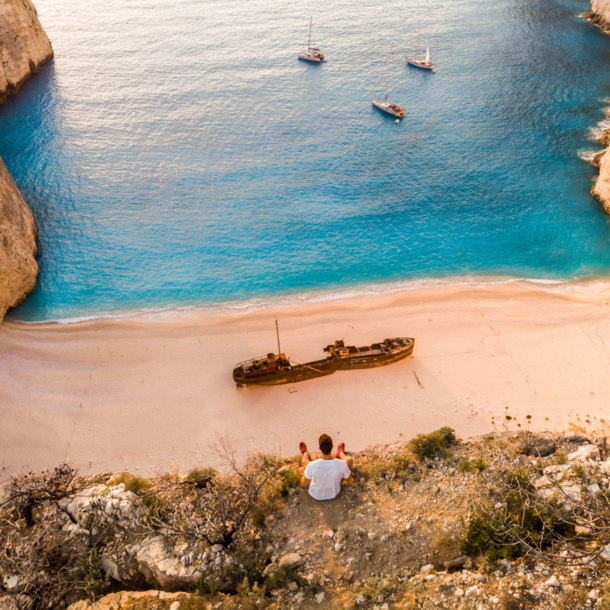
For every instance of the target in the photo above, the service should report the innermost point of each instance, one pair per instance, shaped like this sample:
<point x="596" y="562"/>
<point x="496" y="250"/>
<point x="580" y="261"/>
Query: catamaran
<point x="311" y="53"/>
<point x="426" y="64"/>
<point x="386" y="106"/>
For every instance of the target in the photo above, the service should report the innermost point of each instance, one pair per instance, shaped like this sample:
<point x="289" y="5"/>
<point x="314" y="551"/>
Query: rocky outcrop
<point x="135" y="600"/>
<point x="600" y="15"/>
<point x="18" y="267"/>
<point x="24" y="46"/>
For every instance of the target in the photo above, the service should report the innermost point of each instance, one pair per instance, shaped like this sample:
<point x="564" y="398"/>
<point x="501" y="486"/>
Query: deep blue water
<point x="177" y="154"/>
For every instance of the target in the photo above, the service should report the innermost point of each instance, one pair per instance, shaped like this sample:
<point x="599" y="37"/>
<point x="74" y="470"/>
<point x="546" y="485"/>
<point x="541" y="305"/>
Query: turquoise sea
<point x="176" y="154"/>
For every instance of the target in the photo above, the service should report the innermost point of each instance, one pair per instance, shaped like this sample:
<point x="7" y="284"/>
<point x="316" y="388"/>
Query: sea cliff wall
<point x="18" y="267"/>
<point x="24" y="46"/>
<point x="600" y="15"/>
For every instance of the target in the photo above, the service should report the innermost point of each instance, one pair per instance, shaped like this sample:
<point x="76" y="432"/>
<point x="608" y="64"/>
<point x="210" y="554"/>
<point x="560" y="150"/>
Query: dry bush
<point x="216" y="512"/>
<point x="25" y="492"/>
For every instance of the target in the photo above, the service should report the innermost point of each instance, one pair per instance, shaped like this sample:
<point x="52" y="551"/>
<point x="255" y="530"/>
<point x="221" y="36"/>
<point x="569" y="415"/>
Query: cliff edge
<point x="600" y="13"/>
<point x="18" y="267"/>
<point x="600" y="16"/>
<point x="23" y="44"/>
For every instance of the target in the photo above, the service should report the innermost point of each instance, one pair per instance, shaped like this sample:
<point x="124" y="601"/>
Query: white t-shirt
<point x="326" y="477"/>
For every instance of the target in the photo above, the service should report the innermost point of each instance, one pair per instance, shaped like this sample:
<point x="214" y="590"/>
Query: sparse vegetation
<point x="231" y="529"/>
<point x="434" y="444"/>
<point x="132" y="483"/>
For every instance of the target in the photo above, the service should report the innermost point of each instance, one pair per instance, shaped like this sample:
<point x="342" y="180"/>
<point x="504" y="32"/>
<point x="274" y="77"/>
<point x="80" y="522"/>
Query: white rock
<point x="14" y="583"/>
<point x="427" y="569"/>
<point x="371" y="535"/>
<point x="110" y="567"/>
<point x="82" y="501"/>
<point x="175" y="606"/>
<point x="289" y="561"/>
<point x="328" y="534"/>
<point x="338" y="547"/>
<point x="605" y="554"/>
<point x="217" y="548"/>
<point x="160" y="567"/>
<point x="320" y="597"/>
<point x="292" y="586"/>
<point x="494" y="600"/>
<point x="594" y="488"/>
<point x="552" y="581"/>
<point x="360" y="599"/>
<point x="542" y="482"/>
<point x="474" y="590"/>
<point x="593" y="594"/>
<point x="459" y="592"/>
<point x="583" y="453"/>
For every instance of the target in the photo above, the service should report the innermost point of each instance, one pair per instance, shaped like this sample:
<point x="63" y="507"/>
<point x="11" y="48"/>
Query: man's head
<point x="326" y="444"/>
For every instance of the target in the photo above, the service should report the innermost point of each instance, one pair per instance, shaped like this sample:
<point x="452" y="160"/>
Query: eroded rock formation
<point x="24" y="46"/>
<point x="600" y="15"/>
<point x="18" y="267"/>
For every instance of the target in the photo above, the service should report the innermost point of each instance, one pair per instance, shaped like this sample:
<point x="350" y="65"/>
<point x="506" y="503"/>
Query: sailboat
<point x="386" y="106"/>
<point x="311" y="54"/>
<point x="426" y="64"/>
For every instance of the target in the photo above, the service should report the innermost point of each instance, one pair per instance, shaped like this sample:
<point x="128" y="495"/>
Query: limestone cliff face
<point x="18" y="267"/>
<point x="23" y="44"/>
<point x="600" y="15"/>
<point x="601" y="190"/>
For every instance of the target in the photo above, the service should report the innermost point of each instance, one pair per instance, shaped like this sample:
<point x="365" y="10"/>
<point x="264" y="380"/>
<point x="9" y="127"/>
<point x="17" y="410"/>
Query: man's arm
<point x="305" y="482"/>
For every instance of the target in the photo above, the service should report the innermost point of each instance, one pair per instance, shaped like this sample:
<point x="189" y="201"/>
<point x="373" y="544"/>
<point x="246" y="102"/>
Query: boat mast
<point x="309" y="39"/>
<point x="277" y="332"/>
<point x="387" y="74"/>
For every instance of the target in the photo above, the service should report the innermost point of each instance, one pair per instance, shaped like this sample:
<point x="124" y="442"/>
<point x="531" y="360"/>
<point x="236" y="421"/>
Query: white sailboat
<point x="311" y="53"/>
<point x="426" y="64"/>
<point x="387" y="106"/>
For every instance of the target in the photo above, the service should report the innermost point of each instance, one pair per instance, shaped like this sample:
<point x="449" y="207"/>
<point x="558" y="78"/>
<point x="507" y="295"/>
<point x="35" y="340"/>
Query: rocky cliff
<point x="600" y="15"/>
<point x="18" y="267"/>
<point x="23" y="44"/>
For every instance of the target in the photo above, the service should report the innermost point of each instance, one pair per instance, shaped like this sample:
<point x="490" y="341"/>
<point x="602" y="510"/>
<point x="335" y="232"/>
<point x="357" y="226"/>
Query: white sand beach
<point x="149" y="395"/>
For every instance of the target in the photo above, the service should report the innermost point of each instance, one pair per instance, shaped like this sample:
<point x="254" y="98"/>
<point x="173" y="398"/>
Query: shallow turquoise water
<point x="177" y="154"/>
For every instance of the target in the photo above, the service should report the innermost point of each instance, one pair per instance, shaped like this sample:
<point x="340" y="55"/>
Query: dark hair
<point x="326" y="444"/>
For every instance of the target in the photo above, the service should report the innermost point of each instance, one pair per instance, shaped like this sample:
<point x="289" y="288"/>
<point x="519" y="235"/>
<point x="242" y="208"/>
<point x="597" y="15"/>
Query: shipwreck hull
<point x="372" y="361"/>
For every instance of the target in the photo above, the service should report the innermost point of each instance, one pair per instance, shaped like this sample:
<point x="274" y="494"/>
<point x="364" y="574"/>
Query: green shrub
<point x="477" y="465"/>
<point x="154" y="511"/>
<point x="525" y="521"/>
<point x="200" y="477"/>
<point x="132" y="483"/>
<point x="289" y="477"/>
<point x="434" y="444"/>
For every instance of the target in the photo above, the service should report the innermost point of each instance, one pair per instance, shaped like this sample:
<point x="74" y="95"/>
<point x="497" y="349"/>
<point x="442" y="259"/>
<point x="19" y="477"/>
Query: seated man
<point x="324" y="477"/>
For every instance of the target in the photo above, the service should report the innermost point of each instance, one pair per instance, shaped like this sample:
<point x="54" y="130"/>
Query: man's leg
<point x="348" y="459"/>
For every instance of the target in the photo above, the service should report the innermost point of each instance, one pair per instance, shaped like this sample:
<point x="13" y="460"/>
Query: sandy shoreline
<point x="151" y="395"/>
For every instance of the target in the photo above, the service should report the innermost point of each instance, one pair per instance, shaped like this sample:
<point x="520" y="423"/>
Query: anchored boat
<point x="424" y="64"/>
<point x="311" y="53"/>
<point x="386" y="106"/>
<point x="277" y="369"/>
